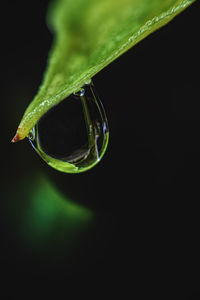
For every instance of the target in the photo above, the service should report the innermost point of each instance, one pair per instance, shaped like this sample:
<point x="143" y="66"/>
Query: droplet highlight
<point x="72" y="137"/>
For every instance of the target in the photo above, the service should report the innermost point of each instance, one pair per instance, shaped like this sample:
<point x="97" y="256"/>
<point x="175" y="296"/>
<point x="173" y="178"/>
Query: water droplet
<point x="80" y="93"/>
<point x="72" y="136"/>
<point x="31" y="135"/>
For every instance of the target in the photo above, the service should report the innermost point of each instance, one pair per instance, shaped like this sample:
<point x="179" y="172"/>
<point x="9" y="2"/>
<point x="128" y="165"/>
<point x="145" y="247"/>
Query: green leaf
<point x="89" y="35"/>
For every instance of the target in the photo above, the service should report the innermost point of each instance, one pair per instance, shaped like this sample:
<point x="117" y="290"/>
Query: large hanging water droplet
<point x="72" y="136"/>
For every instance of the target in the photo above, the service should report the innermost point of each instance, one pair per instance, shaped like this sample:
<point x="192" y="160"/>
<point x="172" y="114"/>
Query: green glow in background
<point x="50" y="212"/>
<point x="47" y="222"/>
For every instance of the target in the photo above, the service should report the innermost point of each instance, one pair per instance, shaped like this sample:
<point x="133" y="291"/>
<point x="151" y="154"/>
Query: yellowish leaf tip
<point x="16" y="138"/>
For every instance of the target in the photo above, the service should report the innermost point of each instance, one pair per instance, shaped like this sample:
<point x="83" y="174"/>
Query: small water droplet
<point x="80" y="93"/>
<point x="31" y="135"/>
<point x="72" y="136"/>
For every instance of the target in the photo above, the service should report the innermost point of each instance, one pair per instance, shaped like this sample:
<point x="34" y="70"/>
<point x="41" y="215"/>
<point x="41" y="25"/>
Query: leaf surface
<point x="89" y="35"/>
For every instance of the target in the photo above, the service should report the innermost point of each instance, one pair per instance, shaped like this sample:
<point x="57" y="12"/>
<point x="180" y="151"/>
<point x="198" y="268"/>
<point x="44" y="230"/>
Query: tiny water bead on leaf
<point x="72" y="136"/>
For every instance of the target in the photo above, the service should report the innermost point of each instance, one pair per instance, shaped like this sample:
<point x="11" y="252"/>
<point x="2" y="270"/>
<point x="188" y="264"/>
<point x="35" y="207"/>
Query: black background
<point x="145" y="192"/>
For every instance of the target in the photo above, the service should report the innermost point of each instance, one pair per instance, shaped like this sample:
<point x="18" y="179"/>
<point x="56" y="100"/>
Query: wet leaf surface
<point x="89" y="35"/>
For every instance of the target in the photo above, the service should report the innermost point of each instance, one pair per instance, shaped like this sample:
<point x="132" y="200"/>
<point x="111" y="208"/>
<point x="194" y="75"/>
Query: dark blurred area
<point x="144" y="194"/>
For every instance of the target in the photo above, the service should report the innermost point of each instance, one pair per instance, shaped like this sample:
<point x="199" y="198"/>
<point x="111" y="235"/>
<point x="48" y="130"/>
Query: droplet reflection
<point x="72" y="137"/>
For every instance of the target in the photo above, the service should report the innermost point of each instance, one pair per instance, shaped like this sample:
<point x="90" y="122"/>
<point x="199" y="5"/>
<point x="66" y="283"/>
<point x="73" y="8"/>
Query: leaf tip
<point x="16" y="138"/>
